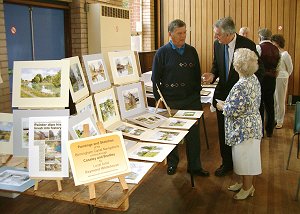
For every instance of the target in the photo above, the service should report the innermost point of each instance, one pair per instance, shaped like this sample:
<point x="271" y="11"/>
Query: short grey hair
<point x="265" y="34"/>
<point x="226" y="25"/>
<point x="243" y="30"/>
<point x="175" y="24"/>
<point x="245" y="62"/>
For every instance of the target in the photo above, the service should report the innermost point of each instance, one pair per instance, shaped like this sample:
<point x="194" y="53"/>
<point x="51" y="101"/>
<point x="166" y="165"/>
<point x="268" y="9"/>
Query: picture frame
<point x="78" y="86"/>
<point x="131" y="99"/>
<point x="21" y="127"/>
<point x="96" y="71"/>
<point x="189" y="114"/>
<point x="76" y="123"/>
<point x="178" y="123"/>
<point x="107" y="107"/>
<point x="15" y="179"/>
<point x="6" y="133"/>
<point x="86" y="104"/>
<point x="124" y="67"/>
<point x="148" y="120"/>
<point x="154" y="152"/>
<point x="138" y="171"/>
<point x="168" y="136"/>
<point x="128" y="129"/>
<point x="48" y="137"/>
<point x="41" y="84"/>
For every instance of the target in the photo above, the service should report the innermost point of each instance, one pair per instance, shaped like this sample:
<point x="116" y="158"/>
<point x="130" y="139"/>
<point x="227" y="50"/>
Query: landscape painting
<point x="107" y="108"/>
<point x="189" y="114"/>
<point x="25" y="132"/>
<point x="177" y="123"/>
<point x="5" y="131"/>
<point x="123" y="65"/>
<point x="78" y="129"/>
<point x="40" y="82"/>
<point x="131" y="99"/>
<point x="128" y="129"/>
<point x="96" y="69"/>
<point x="52" y="155"/>
<point x="76" y="78"/>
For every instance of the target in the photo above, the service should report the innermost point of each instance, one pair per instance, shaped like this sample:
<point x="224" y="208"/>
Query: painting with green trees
<point x="40" y="82"/>
<point x="5" y="131"/>
<point x="107" y="108"/>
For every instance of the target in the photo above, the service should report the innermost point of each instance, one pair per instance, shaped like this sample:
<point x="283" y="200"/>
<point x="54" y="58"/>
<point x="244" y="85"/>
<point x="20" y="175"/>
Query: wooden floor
<point x="161" y="193"/>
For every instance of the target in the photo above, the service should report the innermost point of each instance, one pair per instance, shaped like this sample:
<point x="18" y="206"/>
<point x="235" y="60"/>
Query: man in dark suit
<point x="227" y="41"/>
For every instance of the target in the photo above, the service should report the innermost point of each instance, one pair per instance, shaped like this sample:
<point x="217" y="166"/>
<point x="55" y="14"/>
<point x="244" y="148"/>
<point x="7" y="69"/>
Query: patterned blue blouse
<point x="241" y="111"/>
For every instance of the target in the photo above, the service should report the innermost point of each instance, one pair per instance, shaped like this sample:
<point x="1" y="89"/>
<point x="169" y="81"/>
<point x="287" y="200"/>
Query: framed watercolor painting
<point x="148" y="120"/>
<point x="107" y="107"/>
<point x="177" y="123"/>
<point x="78" y="87"/>
<point x="155" y="152"/>
<point x="96" y="72"/>
<point x="189" y="114"/>
<point x="138" y="171"/>
<point x="15" y="179"/>
<point x="6" y="133"/>
<point x="21" y="127"/>
<point x="41" y="84"/>
<point x="131" y="99"/>
<point x="86" y="104"/>
<point x="124" y="68"/>
<point x="76" y="125"/>
<point x="128" y="129"/>
<point x="48" y="137"/>
<point x="170" y="136"/>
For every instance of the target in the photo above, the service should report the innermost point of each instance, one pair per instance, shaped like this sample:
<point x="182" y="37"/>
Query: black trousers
<point x="268" y="89"/>
<point x="192" y="142"/>
<point x="225" y="150"/>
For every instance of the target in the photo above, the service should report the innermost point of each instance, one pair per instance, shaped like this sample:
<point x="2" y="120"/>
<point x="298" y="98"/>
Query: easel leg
<point x="93" y="209"/>
<point x="59" y="185"/>
<point x="123" y="182"/>
<point x="36" y="185"/>
<point x="92" y="191"/>
<point x="205" y="132"/>
<point x="5" y="159"/>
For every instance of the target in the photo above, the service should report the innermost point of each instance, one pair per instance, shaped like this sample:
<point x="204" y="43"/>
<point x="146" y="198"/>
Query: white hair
<point x="245" y="62"/>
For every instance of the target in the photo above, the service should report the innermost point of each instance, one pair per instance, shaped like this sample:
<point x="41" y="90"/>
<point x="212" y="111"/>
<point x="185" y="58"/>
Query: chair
<point x="296" y="132"/>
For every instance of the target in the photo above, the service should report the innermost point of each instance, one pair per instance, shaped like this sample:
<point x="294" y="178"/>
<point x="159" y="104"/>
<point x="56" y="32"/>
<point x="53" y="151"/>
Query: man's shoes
<point x="171" y="170"/>
<point x="278" y="126"/>
<point x="222" y="170"/>
<point x="200" y="172"/>
<point x="269" y="134"/>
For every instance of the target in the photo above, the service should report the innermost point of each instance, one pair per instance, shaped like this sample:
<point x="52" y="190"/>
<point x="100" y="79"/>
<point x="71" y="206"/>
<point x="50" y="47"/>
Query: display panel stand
<point x="5" y="159"/>
<point x="161" y="99"/>
<point x="37" y="180"/>
<point x="91" y="186"/>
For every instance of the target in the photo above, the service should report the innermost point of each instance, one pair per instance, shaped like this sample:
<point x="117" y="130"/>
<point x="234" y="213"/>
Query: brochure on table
<point x="98" y="158"/>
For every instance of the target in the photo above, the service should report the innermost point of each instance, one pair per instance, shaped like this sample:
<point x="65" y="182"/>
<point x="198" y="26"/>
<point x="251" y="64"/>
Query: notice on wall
<point x="98" y="158"/>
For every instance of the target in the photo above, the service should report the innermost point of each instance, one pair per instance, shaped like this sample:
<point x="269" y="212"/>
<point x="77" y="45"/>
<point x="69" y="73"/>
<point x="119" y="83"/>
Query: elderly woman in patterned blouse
<point x="243" y="122"/>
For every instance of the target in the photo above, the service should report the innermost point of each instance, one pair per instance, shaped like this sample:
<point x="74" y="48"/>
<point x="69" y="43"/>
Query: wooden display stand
<point x="5" y="159"/>
<point x="161" y="99"/>
<point x="37" y="180"/>
<point x="91" y="186"/>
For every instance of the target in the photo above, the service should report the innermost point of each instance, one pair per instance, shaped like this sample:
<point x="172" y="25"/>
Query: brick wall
<point x="5" y="101"/>
<point x="135" y="14"/>
<point x="148" y="25"/>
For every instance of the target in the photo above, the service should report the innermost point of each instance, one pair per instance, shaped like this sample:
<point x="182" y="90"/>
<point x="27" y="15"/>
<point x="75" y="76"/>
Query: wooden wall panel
<point x="200" y="15"/>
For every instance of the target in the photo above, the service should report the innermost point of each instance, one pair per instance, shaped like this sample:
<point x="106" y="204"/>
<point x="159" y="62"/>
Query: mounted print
<point x="169" y="136"/>
<point x="15" y="179"/>
<point x="150" y="151"/>
<point x="107" y="107"/>
<point x="177" y="123"/>
<point x="131" y="99"/>
<point x="86" y="105"/>
<point x="77" y="122"/>
<point x="188" y="114"/>
<point x="128" y="129"/>
<point x="124" y="67"/>
<point x="6" y="133"/>
<point x="21" y="127"/>
<point x="148" y="120"/>
<point x="48" y="137"/>
<point x="78" y="87"/>
<point x="41" y="84"/>
<point x="96" y="72"/>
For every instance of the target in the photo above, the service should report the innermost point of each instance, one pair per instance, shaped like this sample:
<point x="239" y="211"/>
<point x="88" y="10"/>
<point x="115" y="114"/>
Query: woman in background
<point x="243" y="122"/>
<point x="285" y="69"/>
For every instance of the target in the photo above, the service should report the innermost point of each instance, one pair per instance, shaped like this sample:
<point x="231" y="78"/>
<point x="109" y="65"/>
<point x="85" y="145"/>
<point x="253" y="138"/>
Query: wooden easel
<point x="161" y="99"/>
<point x="58" y="181"/>
<point x="92" y="189"/>
<point x="5" y="159"/>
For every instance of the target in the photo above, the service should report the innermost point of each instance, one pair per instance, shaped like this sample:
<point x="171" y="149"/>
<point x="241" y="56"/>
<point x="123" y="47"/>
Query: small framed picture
<point x="41" y="84"/>
<point x="78" y="86"/>
<point x="155" y="152"/>
<point x="128" y="129"/>
<point x="131" y="99"/>
<point x="169" y="136"/>
<point x="21" y="127"/>
<point x="177" y="123"/>
<point x="189" y="114"/>
<point x="86" y="105"/>
<point x="107" y="107"/>
<point x="148" y="120"/>
<point x="6" y="133"/>
<point x="77" y="122"/>
<point x="48" y="137"/>
<point x="124" y="67"/>
<point x="96" y="72"/>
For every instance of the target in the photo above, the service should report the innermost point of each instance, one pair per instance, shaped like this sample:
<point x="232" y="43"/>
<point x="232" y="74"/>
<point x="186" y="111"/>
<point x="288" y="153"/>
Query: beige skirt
<point x="246" y="158"/>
